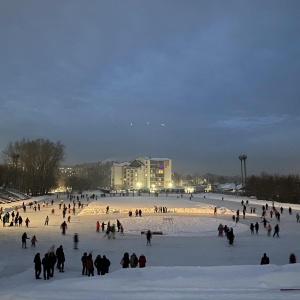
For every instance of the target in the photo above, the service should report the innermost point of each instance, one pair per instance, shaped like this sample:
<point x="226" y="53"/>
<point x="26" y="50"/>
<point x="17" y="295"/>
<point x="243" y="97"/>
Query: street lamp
<point x="15" y="158"/>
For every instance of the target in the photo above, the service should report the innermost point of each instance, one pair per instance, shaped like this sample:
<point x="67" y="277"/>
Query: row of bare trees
<point x="281" y="188"/>
<point x="31" y="166"/>
<point x="88" y="176"/>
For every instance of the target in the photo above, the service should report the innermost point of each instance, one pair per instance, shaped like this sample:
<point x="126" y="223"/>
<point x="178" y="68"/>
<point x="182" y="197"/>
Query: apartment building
<point x="142" y="173"/>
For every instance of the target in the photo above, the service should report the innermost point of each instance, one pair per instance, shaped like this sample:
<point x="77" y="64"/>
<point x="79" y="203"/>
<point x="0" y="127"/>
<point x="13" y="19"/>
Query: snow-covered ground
<point x="189" y="261"/>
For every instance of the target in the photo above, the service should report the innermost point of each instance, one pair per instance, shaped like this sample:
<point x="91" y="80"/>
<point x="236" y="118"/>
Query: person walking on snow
<point x="97" y="226"/>
<point x="24" y="238"/>
<point x="27" y="222"/>
<point x="230" y="236"/>
<point x="103" y="226"/>
<point x="63" y="227"/>
<point x="149" y="237"/>
<point x="33" y="241"/>
<point x="269" y="229"/>
<point x="276" y="230"/>
<point x="37" y="266"/>
<point x="76" y="240"/>
<point x="264" y="221"/>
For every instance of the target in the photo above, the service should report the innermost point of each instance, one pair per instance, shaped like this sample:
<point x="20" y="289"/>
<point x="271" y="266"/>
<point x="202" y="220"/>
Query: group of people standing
<point x="227" y="231"/>
<point x="49" y="261"/>
<point x="16" y="219"/>
<point x="101" y="264"/>
<point x="133" y="261"/>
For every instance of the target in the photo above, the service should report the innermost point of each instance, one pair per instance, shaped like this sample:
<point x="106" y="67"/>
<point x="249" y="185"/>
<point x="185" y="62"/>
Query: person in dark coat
<point x="90" y="265"/>
<point x="276" y="230"/>
<point x="76" y="240"/>
<point x="46" y="267"/>
<point x="264" y="221"/>
<point x="83" y="260"/>
<point x="230" y="236"/>
<point x="27" y="222"/>
<point x="51" y="262"/>
<point x="133" y="260"/>
<point x="149" y="237"/>
<point x="37" y="266"/>
<point x="125" y="261"/>
<point x="63" y="227"/>
<point x="142" y="261"/>
<point x="265" y="260"/>
<point x="106" y="265"/>
<point x="98" y="264"/>
<point x="24" y="238"/>
<point x="60" y="258"/>
<point x="292" y="258"/>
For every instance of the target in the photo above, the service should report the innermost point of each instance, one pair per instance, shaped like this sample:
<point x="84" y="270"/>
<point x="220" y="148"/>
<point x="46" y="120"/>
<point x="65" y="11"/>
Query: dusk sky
<point x="200" y="82"/>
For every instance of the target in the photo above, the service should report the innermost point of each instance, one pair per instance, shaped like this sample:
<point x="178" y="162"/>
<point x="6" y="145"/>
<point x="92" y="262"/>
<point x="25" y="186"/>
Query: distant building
<point x="142" y="173"/>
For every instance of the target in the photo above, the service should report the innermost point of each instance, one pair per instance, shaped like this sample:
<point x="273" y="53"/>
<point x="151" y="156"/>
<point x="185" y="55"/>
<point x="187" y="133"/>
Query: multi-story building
<point x="142" y="173"/>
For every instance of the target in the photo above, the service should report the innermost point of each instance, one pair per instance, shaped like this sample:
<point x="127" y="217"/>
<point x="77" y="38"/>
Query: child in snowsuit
<point x="33" y="241"/>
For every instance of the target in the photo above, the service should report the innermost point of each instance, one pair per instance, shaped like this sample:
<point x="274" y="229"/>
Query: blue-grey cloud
<point x="221" y="76"/>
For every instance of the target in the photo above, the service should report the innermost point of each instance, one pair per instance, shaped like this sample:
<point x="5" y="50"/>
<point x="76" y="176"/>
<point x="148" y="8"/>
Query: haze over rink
<point x="181" y="264"/>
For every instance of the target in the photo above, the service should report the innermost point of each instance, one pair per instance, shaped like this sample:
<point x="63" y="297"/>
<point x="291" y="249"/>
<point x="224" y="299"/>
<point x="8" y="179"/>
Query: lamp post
<point x="242" y="176"/>
<point x="243" y="158"/>
<point x="15" y="158"/>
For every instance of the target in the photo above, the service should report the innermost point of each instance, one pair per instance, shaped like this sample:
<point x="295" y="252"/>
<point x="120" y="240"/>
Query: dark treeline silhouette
<point x="31" y="166"/>
<point x="88" y="176"/>
<point x="281" y="188"/>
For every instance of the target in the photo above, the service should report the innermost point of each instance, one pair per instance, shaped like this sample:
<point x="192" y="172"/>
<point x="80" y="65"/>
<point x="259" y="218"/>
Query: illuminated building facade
<point x="142" y="173"/>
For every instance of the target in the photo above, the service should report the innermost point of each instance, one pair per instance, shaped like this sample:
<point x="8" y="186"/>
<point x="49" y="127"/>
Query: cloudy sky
<point x="200" y="82"/>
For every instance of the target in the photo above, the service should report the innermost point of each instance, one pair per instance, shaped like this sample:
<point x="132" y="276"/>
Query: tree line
<point x="88" y="176"/>
<point x="34" y="168"/>
<point x="31" y="166"/>
<point x="281" y="188"/>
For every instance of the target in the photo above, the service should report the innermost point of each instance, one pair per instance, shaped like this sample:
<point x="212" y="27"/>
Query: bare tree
<point x="34" y="164"/>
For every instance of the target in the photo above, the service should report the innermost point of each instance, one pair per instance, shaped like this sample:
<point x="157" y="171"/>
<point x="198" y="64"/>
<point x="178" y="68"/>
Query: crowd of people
<point x="100" y="265"/>
<point x="254" y="228"/>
